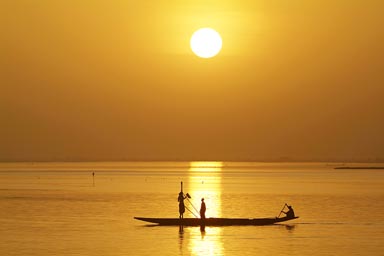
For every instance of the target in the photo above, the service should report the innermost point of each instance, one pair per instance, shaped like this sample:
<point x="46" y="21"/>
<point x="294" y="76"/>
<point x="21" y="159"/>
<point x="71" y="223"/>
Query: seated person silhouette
<point x="290" y="213"/>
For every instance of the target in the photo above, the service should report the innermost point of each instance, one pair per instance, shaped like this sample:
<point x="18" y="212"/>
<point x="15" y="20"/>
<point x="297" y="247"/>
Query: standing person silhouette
<point x="202" y="209"/>
<point x="180" y="199"/>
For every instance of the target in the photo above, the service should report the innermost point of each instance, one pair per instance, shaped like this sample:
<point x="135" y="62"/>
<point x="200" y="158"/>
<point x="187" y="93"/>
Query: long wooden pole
<point x="282" y="210"/>
<point x="193" y="207"/>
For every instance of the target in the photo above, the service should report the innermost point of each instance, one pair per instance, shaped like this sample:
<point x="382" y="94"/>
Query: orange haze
<point x="116" y="80"/>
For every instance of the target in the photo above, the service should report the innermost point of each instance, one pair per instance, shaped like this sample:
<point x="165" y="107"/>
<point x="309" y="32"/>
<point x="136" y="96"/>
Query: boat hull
<point x="214" y="221"/>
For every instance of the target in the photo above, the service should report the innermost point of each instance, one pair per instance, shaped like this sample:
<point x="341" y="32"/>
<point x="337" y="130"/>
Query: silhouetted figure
<point x="202" y="215"/>
<point x="290" y="213"/>
<point x="181" y="204"/>
<point x="202" y="209"/>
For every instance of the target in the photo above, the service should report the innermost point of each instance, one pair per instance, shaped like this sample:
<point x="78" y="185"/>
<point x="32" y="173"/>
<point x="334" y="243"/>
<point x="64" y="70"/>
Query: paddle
<point x="282" y="210"/>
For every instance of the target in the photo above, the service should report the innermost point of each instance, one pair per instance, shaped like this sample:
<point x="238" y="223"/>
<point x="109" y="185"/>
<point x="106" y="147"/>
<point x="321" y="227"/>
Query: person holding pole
<point x="181" y="204"/>
<point x="180" y="199"/>
<point x="290" y="213"/>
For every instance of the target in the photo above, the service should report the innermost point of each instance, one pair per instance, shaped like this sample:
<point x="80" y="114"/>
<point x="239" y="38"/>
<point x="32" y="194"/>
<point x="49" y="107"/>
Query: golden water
<point x="58" y="209"/>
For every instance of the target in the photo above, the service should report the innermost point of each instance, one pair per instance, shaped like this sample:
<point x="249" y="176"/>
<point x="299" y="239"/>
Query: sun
<point x="206" y="42"/>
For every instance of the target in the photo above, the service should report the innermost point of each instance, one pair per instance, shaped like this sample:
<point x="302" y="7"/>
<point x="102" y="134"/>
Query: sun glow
<point x="206" y="42"/>
<point x="206" y="164"/>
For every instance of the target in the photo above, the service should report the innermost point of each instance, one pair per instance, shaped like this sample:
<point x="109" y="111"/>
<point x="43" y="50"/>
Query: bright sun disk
<point x="206" y="42"/>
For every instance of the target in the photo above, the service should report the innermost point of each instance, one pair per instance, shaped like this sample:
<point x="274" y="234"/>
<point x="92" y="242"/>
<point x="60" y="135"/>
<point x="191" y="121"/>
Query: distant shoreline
<point x="361" y="167"/>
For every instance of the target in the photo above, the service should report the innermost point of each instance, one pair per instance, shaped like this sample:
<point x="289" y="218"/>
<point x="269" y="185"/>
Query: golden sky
<point x="116" y="80"/>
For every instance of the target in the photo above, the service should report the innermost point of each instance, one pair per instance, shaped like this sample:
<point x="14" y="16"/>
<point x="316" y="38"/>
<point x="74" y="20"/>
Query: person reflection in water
<point x="202" y="209"/>
<point x="290" y="213"/>
<point x="181" y="204"/>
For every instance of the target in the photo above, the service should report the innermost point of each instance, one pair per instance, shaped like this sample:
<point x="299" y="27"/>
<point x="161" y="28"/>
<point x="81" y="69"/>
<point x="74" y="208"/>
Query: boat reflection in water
<point x="205" y="182"/>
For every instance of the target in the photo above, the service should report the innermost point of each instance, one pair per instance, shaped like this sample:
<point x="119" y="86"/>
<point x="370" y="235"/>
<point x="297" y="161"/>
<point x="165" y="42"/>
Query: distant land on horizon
<point x="271" y="159"/>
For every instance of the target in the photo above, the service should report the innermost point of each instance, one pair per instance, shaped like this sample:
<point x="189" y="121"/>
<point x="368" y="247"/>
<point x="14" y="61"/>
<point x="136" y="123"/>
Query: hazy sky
<point x="116" y="80"/>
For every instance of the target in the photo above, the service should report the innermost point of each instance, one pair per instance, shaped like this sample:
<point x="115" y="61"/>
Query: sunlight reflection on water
<point x="207" y="242"/>
<point x="205" y="182"/>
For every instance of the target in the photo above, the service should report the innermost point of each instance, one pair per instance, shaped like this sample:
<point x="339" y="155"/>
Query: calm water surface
<point x="58" y="209"/>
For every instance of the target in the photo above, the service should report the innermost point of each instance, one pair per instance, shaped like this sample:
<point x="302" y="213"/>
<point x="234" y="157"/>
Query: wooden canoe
<point x="215" y="221"/>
